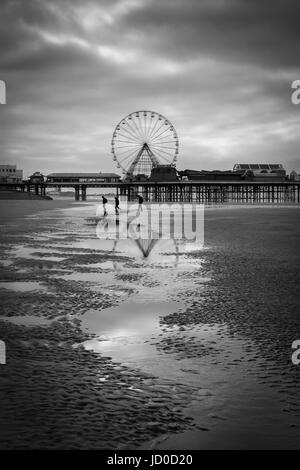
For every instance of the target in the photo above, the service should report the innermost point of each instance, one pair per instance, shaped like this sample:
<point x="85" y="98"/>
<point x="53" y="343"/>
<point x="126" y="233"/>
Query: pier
<point x="286" y="192"/>
<point x="215" y="193"/>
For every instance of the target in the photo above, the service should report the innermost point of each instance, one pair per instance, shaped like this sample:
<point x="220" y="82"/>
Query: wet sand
<point x="183" y="350"/>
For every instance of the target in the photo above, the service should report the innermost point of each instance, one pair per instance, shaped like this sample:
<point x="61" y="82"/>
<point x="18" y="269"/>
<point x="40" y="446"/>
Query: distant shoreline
<point x="22" y="195"/>
<point x="11" y="209"/>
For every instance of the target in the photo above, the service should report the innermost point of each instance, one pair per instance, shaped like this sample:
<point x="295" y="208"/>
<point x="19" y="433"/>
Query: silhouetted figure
<point x="104" y="202"/>
<point x="117" y="205"/>
<point x="141" y="200"/>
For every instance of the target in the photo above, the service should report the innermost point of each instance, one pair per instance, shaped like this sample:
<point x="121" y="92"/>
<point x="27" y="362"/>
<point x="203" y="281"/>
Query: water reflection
<point x="151" y="236"/>
<point x="124" y="332"/>
<point x="128" y="319"/>
<point x="22" y="286"/>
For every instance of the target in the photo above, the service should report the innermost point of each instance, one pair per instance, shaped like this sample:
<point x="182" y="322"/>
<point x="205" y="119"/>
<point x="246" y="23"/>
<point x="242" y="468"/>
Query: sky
<point x="219" y="70"/>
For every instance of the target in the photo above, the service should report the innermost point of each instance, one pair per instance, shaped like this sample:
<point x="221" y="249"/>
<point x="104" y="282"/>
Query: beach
<point x="185" y="349"/>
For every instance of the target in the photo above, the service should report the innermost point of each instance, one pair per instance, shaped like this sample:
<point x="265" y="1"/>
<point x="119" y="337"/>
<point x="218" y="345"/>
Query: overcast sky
<point x="219" y="70"/>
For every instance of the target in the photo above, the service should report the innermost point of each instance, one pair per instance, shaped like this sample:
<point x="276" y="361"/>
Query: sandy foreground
<point x="189" y="348"/>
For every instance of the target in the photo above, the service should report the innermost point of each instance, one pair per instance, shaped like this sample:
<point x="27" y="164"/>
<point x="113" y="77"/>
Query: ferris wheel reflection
<point x="145" y="251"/>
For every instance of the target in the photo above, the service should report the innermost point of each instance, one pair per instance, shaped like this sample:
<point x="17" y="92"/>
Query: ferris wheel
<point x="143" y="140"/>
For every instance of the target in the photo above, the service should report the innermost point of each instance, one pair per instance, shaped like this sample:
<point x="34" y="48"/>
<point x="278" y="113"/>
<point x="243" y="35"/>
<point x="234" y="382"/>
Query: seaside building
<point x="83" y="178"/>
<point x="10" y="174"/>
<point x="214" y="175"/>
<point x="295" y="175"/>
<point x="261" y="171"/>
<point x="37" y="177"/>
<point x="163" y="173"/>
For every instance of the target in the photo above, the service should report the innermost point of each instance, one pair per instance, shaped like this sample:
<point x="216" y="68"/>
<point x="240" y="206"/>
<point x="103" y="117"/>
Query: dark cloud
<point x="265" y="32"/>
<point x="220" y="70"/>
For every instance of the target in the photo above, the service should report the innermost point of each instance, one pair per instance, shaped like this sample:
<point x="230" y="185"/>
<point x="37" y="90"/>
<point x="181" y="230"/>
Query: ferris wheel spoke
<point x="126" y="146"/>
<point x="165" y="158"/>
<point x="126" y="161"/>
<point x="134" y="133"/>
<point x="162" y="147"/>
<point x="131" y="156"/>
<point x="170" y="144"/>
<point x="123" y="141"/>
<point x="157" y="130"/>
<point x="132" y="129"/>
<point x="145" y="125"/>
<point x="133" y="136"/>
<point x="137" y="128"/>
<point x="130" y="144"/>
<point x="154" y="127"/>
<point x="150" y="127"/>
<point x="128" y="150"/>
<point x="126" y="137"/>
<point x="126" y="141"/>
<point x="163" y="141"/>
<point x="140" y="124"/>
<point x="149" y="124"/>
<point x="168" y="160"/>
<point x="163" y="132"/>
<point x="165" y="151"/>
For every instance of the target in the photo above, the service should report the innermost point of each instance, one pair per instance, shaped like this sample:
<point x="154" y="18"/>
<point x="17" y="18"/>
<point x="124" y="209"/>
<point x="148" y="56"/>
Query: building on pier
<point x="295" y="175"/>
<point x="164" y="173"/>
<point x="214" y="175"/>
<point x="36" y="178"/>
<point x="61" y="178"/>
<point x="261" y="171"/>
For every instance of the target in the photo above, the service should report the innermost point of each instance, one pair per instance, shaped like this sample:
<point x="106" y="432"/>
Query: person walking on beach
<point x="141" y="200"/>
<point x="104" y="202"/>
<point x="117" y="205"/>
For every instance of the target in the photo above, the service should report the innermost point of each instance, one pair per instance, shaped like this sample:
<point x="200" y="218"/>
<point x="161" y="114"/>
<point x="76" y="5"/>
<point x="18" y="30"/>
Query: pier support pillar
<point x="83" y="193"/>
<point x="76" y="193"/>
